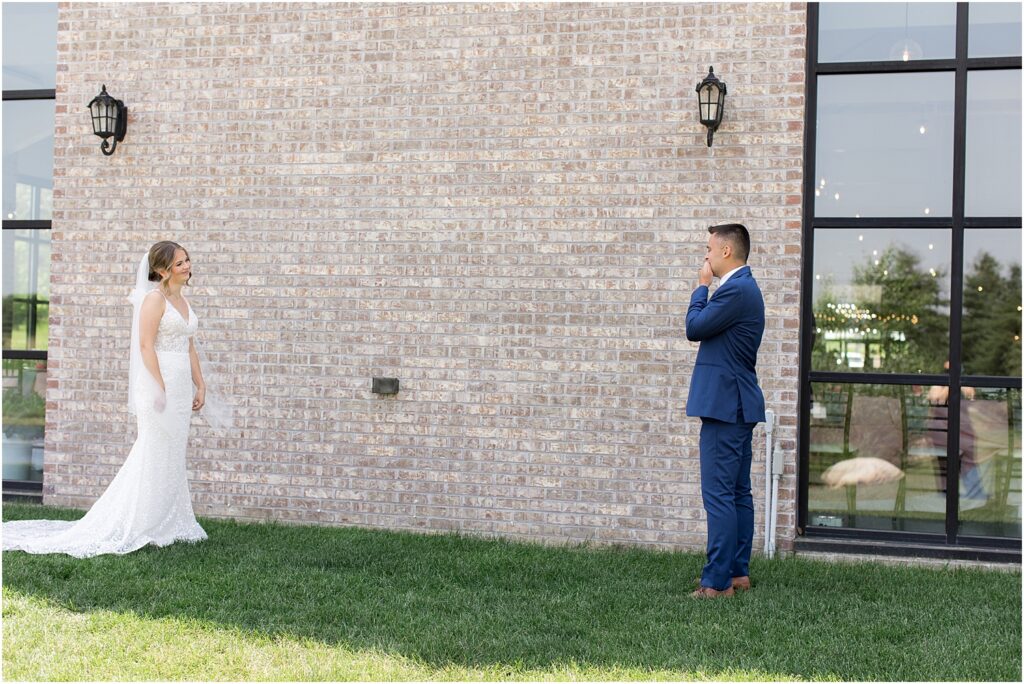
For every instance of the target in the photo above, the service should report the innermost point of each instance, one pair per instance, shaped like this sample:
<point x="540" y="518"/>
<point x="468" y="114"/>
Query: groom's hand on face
<point x="706" y="274"/>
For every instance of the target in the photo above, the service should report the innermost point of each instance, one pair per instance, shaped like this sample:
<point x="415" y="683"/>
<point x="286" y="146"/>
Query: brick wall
<point x="502" y="205"/>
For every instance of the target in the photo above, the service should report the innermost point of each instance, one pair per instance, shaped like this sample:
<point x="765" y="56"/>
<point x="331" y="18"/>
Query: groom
<point x="725" y="395"/>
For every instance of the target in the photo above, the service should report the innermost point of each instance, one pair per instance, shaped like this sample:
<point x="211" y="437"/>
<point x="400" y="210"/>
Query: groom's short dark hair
<point x="736" y="235"/>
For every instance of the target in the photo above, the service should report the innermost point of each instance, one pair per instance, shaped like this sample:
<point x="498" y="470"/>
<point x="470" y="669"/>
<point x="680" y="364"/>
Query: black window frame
<point x="958" y="223"/>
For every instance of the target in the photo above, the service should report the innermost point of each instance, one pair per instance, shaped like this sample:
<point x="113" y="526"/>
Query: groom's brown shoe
<point x="738" y="583"/>
<point x="708" y="592"/>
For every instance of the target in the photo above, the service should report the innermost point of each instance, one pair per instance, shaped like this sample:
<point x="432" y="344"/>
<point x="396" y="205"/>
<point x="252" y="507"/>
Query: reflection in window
<point x="870" y="32"/>
<point x="993" y="173"/>
<point x="24" y="409"/>
<point x="30" y="46"/>
<point x="26" y="289"/>
<point x="993" y="29"/>
<point x="884" y="145"/>
<point x="881" y="301"/>
<point x="992" y="303"/>
<point x="28" y="159"/>
<point x="877" y="457"/>
<point x="990" y="462"/>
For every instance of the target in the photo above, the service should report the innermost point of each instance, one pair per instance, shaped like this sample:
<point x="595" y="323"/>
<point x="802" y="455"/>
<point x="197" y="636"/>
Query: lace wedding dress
<point x="148" y="501"/>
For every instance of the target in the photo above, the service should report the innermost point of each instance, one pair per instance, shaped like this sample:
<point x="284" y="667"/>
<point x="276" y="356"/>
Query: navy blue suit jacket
<point x="729" y="328"/>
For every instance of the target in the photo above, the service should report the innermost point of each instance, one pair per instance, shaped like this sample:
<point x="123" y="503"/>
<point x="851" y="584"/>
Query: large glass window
<point x="878" y="457"/>
<point x="26" y="287"/>
<point x="990" y="462"/>
<point x="903" y="31"/>
<point x="885" y="145"/>
<point x="29" y="79"/>
<point x="28" y="159"/>
<point x="30" y="46"/>
<point x="992" y="303"/>
<point x="993" y="174"/>
<point x="24" y="404"/>
<point x="881" y="300"/>
<point x="994" y="29"/>
<point x="911" y="350"/>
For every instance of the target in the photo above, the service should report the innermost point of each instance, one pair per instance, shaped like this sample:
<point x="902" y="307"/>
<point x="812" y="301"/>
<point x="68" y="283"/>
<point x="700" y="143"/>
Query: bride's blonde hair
<point x="161" y="258"/>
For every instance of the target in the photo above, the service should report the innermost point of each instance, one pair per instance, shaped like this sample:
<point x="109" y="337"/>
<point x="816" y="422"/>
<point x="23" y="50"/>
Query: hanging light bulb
<point x="907" y="48"/>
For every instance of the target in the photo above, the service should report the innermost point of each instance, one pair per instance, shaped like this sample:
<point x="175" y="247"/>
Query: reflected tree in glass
<point x="992" y="318"/>
<point x="24" y="419"/>
<point x="26" y="288"/>
<point x="897" y="320"/>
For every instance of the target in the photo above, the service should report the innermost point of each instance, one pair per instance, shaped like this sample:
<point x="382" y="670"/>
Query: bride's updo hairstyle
<point x="161" y="258"/>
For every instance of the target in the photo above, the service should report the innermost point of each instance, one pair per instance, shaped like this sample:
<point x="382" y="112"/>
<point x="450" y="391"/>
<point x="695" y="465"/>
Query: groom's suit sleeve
<point x="705" y="319"/>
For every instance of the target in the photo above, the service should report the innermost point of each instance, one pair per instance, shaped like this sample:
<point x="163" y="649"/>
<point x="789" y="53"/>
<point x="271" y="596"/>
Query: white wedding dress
<point x="148" y="501"/>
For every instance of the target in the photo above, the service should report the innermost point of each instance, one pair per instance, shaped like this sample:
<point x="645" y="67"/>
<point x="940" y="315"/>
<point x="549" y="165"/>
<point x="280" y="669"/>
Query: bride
<point x="148" y="502"/>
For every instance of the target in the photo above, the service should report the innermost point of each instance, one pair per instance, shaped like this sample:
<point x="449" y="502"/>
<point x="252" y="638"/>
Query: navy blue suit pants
<point x="725" y="455"/>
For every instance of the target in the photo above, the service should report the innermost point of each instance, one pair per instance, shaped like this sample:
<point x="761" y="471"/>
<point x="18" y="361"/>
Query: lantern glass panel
<point x="713" y="95"/>
<point x="709" y="98"/>
<point x="97" y="111"/>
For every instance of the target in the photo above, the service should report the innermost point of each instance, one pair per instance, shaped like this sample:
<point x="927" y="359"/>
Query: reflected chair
<point x="830" y="434"/>
<point x="923" y="457"/>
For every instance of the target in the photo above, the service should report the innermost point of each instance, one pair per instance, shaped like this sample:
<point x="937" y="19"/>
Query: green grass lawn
<point x="274" y="602"/>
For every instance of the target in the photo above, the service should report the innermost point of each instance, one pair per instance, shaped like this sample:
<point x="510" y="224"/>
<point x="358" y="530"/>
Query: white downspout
<point x="776" y="478"/>
<point x="769" y="427"/>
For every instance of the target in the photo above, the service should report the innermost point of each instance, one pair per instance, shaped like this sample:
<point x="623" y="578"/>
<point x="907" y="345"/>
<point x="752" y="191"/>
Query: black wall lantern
<point x="109" y="120"/>
<point x="711" y="97"/>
